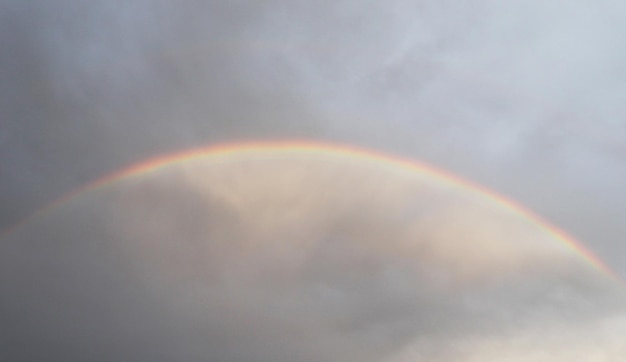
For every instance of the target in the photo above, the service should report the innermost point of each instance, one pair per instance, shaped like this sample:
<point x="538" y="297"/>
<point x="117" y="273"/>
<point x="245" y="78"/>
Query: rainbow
<point x="305" y="147"/>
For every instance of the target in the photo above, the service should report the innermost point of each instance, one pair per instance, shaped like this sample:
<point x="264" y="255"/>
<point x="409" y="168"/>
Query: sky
<point x="326" y="256"/>
<point x="527" y="98"/>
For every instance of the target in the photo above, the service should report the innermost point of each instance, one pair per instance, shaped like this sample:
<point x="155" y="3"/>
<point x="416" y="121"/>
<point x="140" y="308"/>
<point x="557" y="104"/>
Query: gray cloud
<point x="523" y="97"/>
<point x="526" y="98"/>
<point x="324" y="257"/>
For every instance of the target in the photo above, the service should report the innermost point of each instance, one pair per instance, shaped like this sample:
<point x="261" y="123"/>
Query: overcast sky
<point x="527" y="98"/>
<point x="321" y="257"/>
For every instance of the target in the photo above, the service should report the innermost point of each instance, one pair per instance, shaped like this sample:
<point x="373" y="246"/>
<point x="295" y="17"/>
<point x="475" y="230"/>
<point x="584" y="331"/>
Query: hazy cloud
<point x="195" y="262"/>
<point x="524" y="97"/>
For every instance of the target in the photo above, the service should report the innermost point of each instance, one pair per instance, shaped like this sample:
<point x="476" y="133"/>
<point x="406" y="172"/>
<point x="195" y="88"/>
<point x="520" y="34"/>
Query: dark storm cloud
<point x="89" y="88"/>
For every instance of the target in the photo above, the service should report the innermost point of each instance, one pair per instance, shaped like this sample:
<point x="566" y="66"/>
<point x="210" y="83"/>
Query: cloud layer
<point x="524" y="97"/>
<point x="282" y="256"/>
